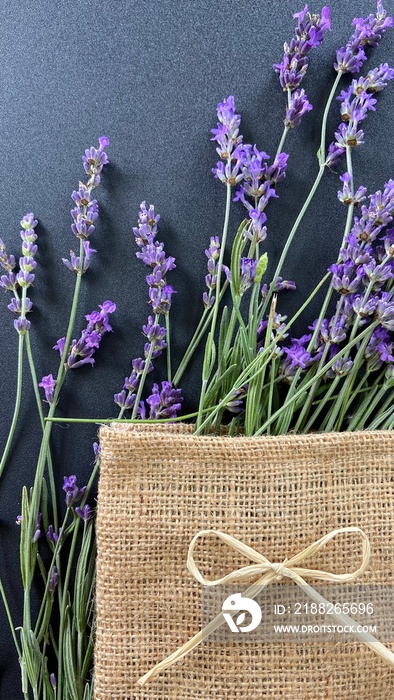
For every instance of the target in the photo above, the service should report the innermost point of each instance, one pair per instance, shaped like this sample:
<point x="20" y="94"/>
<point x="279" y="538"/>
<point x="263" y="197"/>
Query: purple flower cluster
<point x="308" y="35"/>
<point x="72" y="490"/>
<point x="228" y="138"/>
<point x="259" y="182"/>
<point x="81" y="351"/>
<point x="24" y="278"/>
<point x="248" y="274"/>
<point x="299" y="105"/>
<point x="85" y="212"/>
<point x="126" y="398"/>
<point x="163" y="403"/>
<point x="246" y="166"/>
<point x="362" y="276"/>
<point x="152" y="253"/>
<point x="356" y="102"/>
<point x="368" y="32"/>
<point x="94" y="160"/>
<point x="213" y="253"/>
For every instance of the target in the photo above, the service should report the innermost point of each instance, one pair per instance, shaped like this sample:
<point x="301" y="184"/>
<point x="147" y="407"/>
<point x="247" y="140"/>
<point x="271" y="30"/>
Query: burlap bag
<point x="159" y="486"/>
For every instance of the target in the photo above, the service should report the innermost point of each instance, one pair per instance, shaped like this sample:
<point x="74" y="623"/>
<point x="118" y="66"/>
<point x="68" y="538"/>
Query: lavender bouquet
<point x="256" y="377"/>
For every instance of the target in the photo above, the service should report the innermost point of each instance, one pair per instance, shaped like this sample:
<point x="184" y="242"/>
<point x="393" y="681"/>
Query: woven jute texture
<point x="159" y="486"/>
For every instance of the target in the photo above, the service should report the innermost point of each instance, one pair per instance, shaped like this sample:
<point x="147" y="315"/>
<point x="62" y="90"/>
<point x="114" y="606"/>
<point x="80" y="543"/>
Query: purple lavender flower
<point x="363" y="308"/>
<point x="349" y="135"/>
<point x="74" y="264"/>
<point x="39" y="531"/>
<point x="16" y="305"/>
<point x="259" y="183"/>
<point x="53" y="581"/>
<point x="339" y="368"/>
<point x="160" y="299"/>
<point x="155" y="334"/>
<point x="299" y="105"/>
<point x="308" y="35"/>
<point x="280" y="285"/>
<point x="235" y="404"/>
<point x="227" y="132"/>
<point x="52" y="535"/>
<point x="376" y="215"/>
<point x="213" y="253"/>
<point x="248" y="274"/>
<point x="81" y="351"/>
<point x="7" y="262"/>
<point x="72" y="491"/>
<point x="22" y="325"/>
<point x="147" y="225"/>
<point x="384" y="311"/>
<point x="94" y="160"/>
<point x="354" y="110"/>
<point x="164" y="402"/>
<point x="52" y="680"/>
<point x="345" y="195"/>
<point x="368" y="32"/>
<point x="84" y="513"/>
<point x="48" y="383"/>
<point x="346" y="277"/>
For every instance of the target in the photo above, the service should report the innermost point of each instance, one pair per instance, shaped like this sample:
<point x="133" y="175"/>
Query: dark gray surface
<point x="149" y="75"/>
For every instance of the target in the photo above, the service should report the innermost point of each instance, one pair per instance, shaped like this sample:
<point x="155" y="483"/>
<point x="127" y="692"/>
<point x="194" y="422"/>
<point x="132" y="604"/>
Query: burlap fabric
<point x="160" y="485"/>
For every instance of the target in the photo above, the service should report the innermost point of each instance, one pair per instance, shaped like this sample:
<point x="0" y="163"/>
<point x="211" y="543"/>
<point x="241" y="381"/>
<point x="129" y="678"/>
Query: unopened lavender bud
<point x="29" y="221"/>
<point x="22" y="325"/>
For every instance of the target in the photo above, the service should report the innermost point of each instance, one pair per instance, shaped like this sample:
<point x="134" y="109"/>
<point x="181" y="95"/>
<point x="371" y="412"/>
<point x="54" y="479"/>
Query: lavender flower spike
<point x="368" y="32"/>
<point x="94" y="160"/>
<point x="164" y="403"/>
<point x="299" y="105"/>
<point x="308" y="35"/>
<point x="81" y="351"/>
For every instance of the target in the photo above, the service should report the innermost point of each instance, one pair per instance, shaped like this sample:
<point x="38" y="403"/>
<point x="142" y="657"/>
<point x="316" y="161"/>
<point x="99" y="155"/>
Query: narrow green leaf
<point x="24" y="544"/>
<point x="81" y="588"/>
<point x="261" y="268"/>
<point x="69" y="674"/>
<point x="44" y="505"/>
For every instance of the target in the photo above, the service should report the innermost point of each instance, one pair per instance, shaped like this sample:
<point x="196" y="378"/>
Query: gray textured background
<point x="149" y="75"/>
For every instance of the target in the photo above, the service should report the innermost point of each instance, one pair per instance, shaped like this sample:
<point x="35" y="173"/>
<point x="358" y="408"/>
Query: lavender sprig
<point x="368" y="32"/>
<point x="160" y="293"/>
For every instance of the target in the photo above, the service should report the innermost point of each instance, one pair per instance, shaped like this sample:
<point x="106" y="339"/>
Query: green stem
<point x="144" y="373"/>
<point x="319" y="374"/>
<point x="291" y="236"/>
<point x="341" y="405"/>
<point x="195" y="341"/>
<point x="367" y="406"/>
<point x="168" y="351"/>
<point x="42" y="458"/>
<point x="322" y="149"/>
<point x="56" y="550"/>
<point x="211" y="338"/>
<point x="41" y="415"/>
<point x="282" y="141"/>
<point x="249" y="372"/>
<point x="11" y="624"/>
<point x="17" y="404"/>
<point x="327" y="397"/>
<point x="64" y="605"/>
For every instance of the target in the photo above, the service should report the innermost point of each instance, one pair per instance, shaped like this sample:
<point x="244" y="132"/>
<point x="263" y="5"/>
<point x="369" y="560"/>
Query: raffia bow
<point x="273" y="572"/>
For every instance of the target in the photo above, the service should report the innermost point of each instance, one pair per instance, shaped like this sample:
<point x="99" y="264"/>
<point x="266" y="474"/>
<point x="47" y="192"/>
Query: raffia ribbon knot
<point x="268" y="573"/>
